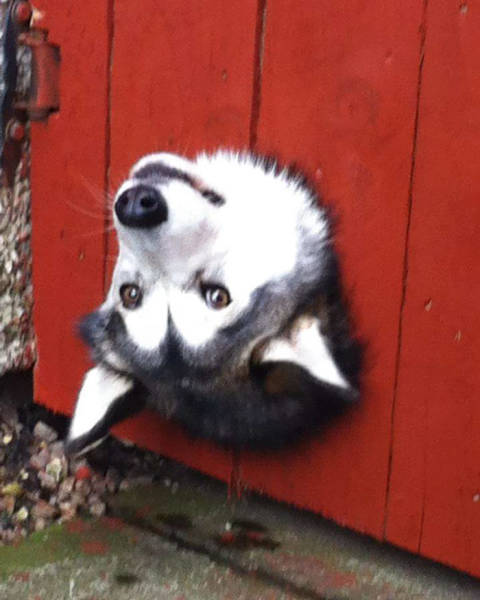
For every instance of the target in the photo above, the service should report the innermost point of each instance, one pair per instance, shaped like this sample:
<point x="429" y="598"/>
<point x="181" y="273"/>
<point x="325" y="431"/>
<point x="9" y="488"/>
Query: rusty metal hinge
<point x="42" y="97"/>
<point x="29" y="79"/>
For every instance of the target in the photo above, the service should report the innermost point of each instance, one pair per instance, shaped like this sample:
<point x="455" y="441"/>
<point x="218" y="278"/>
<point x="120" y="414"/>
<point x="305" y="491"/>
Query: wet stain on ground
<point x="175" y="520"/>
<point x="248" y="525"/>
<point x="94" y="547"/>
<point x="126" y="578"/>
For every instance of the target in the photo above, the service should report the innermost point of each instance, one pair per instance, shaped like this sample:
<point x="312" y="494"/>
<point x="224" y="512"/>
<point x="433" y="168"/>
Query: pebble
<point x="44" y="510"/>
<point x="57" y="449"/>
<point x="7" y="438"/>
<point x="57" y="469"/>
<point x="47" y="481"/>
<point x="40" y="460"/>
<point x="44" y="432"/>
<point x="97" y="509"/>
<point x="66" y="488"/>
<point x="39" y="485"/>
<point x="68" y="510"/>
<point x="21" y="514"/>
<point x="83" y="487"/>
<point x="12" y="489"/>
<point x="39" y="524"/>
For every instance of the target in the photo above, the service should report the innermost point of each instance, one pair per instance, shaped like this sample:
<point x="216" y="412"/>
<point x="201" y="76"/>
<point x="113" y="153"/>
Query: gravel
<point x="40" y="485"/>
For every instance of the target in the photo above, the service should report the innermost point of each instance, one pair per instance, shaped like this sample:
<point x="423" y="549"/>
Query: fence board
<point x="434" y="503"/>
<point x="339" y="96"/>
<point x="182" y="81"/>
<point x="68" y="161"/>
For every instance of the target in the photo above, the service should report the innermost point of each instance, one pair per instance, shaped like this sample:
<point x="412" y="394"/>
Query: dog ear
<point x="305" y="346"/>
<point x="105" y="398"/>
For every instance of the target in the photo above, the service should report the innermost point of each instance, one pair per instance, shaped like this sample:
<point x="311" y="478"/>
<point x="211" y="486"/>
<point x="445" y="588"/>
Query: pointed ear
<point x="105" y="398"/>
<point x="305" y="346"/>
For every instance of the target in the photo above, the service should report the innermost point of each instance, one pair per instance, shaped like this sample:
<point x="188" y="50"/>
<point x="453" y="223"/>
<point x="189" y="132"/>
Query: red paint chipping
<point x="227" y="538"/>
<point x="78" y="526"/>
<point x="113" y="523"/>
<point x="255" y="536"/>
<point x="21" y="576"/>
<point x="94" y="547"/>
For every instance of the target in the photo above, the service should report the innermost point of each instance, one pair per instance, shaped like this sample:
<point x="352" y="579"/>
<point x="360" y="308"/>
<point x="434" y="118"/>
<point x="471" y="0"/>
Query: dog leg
<point x="105" y="398"/>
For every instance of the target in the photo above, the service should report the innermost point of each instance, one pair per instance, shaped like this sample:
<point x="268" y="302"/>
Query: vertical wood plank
<point x="434" y="503"/>
<point x="182" y="81"/>
<point x="68" y="158"/>
<point x="339" y="96"/>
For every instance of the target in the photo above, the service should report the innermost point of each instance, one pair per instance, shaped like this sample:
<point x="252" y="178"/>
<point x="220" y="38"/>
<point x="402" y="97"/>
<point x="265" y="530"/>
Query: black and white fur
<point x="258" y="373"/>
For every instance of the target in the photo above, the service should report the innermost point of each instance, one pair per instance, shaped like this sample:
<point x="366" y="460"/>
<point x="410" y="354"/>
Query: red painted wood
<point x="68" y="156"/>
<point x="339" y="96"/>
<point x="434" y="502"/>
<point x="182" y="81"/>
<point x="182" y="77"/>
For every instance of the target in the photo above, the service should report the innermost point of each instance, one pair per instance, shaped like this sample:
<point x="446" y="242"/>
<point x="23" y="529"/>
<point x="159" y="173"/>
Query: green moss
<point x="40" y="548"/>
<point x="62" y="542"/>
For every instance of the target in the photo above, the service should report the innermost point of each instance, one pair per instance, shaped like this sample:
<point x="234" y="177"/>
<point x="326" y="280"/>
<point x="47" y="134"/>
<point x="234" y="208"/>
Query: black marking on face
<point x="162" y="171"/>
<point x="212" y="197"/>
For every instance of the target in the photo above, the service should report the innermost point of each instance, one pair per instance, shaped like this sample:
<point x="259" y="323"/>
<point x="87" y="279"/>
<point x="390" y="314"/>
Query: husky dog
<point x="225" y="312"/>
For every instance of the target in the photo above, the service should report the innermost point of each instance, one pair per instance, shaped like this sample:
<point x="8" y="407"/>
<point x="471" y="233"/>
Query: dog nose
<point x="141" y="206"/>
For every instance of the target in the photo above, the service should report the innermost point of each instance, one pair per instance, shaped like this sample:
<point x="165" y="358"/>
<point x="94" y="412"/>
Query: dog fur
<point x="273" y="364"/>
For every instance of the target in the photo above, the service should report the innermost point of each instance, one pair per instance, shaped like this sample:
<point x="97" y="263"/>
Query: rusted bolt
<point x="23" y="12"/>
<point x="16" y="130"/>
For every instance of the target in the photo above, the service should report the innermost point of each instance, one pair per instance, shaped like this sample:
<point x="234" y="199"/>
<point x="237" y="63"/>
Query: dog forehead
<point x="157" y="159"/>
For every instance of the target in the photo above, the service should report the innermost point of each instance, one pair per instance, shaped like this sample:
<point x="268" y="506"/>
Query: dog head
<point x="225" y="281"/>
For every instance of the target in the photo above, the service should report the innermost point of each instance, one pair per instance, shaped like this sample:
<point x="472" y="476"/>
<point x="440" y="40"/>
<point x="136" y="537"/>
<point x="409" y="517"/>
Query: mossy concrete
<point x="187" y="541"/>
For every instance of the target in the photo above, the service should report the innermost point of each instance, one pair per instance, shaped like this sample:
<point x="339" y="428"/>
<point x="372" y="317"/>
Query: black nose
<point x="141" y="206"/>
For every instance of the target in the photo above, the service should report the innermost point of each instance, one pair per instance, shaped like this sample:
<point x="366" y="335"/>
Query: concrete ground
<point x="183" y="540"/>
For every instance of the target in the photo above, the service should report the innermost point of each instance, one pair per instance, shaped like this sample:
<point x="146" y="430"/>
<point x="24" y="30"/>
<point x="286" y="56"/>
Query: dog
<point x="226" y="311"/>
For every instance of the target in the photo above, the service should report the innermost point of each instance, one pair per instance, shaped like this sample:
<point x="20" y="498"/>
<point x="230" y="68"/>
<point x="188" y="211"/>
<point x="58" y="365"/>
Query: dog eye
<point x="130" y="295"/>
<point x="216" y="296"/>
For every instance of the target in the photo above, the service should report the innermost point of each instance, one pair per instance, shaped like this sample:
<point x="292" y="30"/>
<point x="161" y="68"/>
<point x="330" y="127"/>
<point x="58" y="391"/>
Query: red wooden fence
<point x="380" y="103"/>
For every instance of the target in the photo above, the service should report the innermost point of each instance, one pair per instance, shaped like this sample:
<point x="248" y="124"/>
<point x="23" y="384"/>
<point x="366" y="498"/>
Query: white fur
<point x="100" y="389"/>
<point x="307" y="348"/>
<point x="250" y="240"/>
<point x="147" y="325"/>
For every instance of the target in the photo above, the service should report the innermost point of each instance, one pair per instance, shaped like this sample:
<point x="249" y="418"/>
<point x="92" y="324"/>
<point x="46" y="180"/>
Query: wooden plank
<point x="68" y="157"/>
<point x="434" y="502"/>
<point x="182" y="81"/>
<point x="182" y="78"/>
<point x="338" y="97"/>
